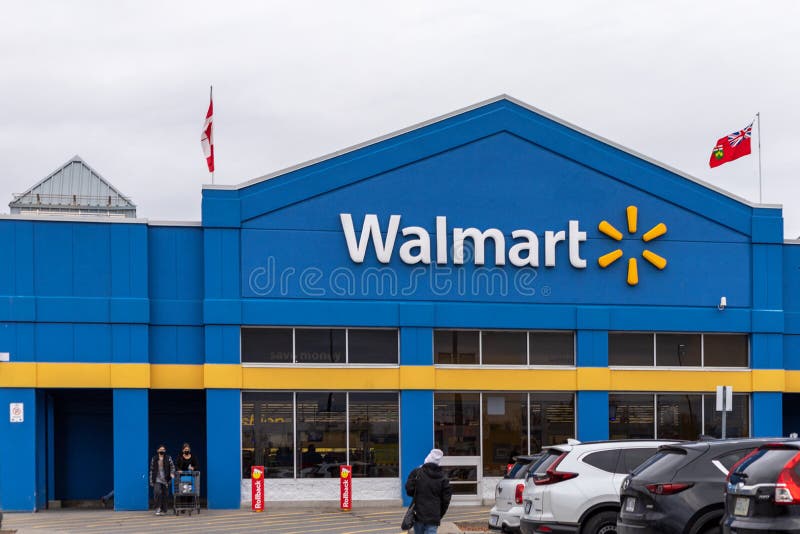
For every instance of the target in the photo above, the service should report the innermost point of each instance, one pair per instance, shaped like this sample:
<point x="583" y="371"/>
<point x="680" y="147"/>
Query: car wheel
<point x="708" y="523"/>
<point x="602" y="523"/>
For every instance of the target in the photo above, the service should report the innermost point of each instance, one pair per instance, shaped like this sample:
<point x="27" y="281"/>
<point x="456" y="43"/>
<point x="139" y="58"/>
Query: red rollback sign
<point x="257" y="479"/>
<point x="346" y="487"/>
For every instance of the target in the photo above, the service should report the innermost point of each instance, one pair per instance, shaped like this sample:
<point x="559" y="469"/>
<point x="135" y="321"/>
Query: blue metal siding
<point x="591" y="414"/>
<point x="19" y="460"/>
<point x="416" y="432"/>
<point x="131" y="458"/>
<point x="224" y="437"/>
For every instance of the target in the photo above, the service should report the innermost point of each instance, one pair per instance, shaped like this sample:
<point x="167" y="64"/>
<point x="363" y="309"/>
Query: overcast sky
<point x="125" y="84"/>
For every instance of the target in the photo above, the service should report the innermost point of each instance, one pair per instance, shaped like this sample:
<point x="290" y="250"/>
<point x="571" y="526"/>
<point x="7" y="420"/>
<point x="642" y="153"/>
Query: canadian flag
<point x="207" y="137"/>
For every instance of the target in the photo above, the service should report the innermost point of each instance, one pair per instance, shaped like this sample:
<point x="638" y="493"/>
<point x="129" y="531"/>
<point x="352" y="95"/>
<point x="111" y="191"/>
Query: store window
<point x="504" y="347"/>
<point x="321" y="434"/>
<point x="679" y="416"/>
<point x="325" y="438"/>
<point x="268" y="345"/>
<point x="456" y="422"/>
<point x="630" y="349"/>
<point x="320" y="346"/>
<point x="456" y="347"/>
<point x="631" y="416"/>
<point x="737" y="421"/>
<point x="505" y="430"/>
<point x="552" y="419"/>
<point x="268" y="433"/>
<point x="498" y="426"/>
<point x="372" y="346"/>
<point x="374" y="436"/>
<point x="726" y="350"/>
<point x="678" y="349"/>
<point x="552" y="348"/>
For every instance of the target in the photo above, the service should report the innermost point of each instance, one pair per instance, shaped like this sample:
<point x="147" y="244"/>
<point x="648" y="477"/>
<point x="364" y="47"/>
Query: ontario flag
<point x="207" y="137"/>
<point x="731" y="147"/>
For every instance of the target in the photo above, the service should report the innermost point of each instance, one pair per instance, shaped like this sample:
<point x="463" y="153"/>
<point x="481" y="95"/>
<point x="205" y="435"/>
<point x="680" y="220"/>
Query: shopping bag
<point x="408" y="519"/>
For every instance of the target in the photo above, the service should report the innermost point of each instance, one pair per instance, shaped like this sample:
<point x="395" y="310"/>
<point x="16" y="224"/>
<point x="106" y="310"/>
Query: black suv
<point x="681" y="488"/>
<point x="763" y="491"/>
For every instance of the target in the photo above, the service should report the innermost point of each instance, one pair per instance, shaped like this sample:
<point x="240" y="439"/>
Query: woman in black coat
<point x="431" y="490"/>
<point x="187" y="461"/>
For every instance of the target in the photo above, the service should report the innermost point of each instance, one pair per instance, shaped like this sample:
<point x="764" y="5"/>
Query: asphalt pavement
<point x="277" y="521"/>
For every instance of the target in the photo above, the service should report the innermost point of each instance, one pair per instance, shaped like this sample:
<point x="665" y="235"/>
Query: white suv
<point x="576" y="488"/>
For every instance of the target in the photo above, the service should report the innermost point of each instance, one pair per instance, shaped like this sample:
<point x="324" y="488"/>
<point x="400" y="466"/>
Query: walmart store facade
<point x="489" y="282"/>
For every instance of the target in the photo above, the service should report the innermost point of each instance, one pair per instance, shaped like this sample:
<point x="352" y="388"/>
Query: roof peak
<point x="73" y="188"/>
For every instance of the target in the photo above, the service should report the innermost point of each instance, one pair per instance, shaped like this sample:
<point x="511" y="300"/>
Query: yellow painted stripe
<point x="768" y="380"/>
<point x="319" y="378"/>
<point x="165" y="376"/>
<point x="231" y="376"/>
<point x="130" y="375"/>
<point x="73" y="375"/>
<point x="222" y="376"/>
<point x="680" y="380"/>
<point x="17" y="375"/>
<point x="506" y="379"/>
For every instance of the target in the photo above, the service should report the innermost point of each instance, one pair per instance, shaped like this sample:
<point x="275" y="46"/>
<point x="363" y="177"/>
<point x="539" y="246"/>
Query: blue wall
<point x="131" y="467"/>
<point x="19" y="460"/>
<point x="224" y="443"/>
<point x="416" y="432"/>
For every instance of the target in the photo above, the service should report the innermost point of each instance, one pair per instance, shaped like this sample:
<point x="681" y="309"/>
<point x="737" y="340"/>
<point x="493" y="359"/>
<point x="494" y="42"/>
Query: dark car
<point x="680" y="490"/>
<point x="763" y="491"/>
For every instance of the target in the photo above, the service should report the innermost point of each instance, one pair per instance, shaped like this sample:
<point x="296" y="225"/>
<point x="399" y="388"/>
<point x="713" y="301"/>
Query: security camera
<point x="723" y="303"/>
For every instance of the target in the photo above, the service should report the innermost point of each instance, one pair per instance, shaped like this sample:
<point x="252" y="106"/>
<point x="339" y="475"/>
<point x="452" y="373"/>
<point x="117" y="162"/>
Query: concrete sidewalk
<point x="283" y="521"/>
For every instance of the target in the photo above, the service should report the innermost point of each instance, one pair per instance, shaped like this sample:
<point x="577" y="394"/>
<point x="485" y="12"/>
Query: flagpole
<point x="211" y="99"/>
<point x="758" y="119"/>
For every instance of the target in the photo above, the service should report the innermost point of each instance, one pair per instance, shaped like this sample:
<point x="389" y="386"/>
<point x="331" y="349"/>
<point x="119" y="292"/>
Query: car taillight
<point x="787" y="489"/>
<point x="667" y="489"/>
<point x="552" y="475"/>
<point x="518" y="493"/>
<point x="739" y="463"/>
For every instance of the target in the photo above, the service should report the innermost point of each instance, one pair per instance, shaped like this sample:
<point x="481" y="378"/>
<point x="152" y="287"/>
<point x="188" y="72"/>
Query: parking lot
<point x="280" y="521"/>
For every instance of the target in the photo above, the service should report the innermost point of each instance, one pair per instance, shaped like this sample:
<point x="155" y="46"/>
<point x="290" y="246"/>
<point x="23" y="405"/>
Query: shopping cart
<point x="186" y="492"/>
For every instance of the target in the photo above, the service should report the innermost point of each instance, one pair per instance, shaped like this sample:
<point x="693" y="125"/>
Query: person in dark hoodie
<point x="430" y="489"/>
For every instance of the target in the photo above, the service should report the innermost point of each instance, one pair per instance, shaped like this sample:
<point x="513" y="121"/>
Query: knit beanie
<point x="434" y="456"/>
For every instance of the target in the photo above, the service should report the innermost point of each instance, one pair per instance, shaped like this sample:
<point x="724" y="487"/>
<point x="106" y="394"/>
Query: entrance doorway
<point x="465" y="474"/>
<point x="178" y="416"/>
<point x="80" y="446"/>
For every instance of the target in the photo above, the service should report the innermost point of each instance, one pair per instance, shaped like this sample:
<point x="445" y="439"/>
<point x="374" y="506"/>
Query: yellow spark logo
<point x="633" y="270"/>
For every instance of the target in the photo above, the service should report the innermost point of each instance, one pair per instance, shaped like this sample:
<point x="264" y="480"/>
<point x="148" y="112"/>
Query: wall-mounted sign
<point x="16" y="412"/>
<point x="416" y="248"/>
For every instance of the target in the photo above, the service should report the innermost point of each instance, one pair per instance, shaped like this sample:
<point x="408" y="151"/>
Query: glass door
<point x="465" y="476"/>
